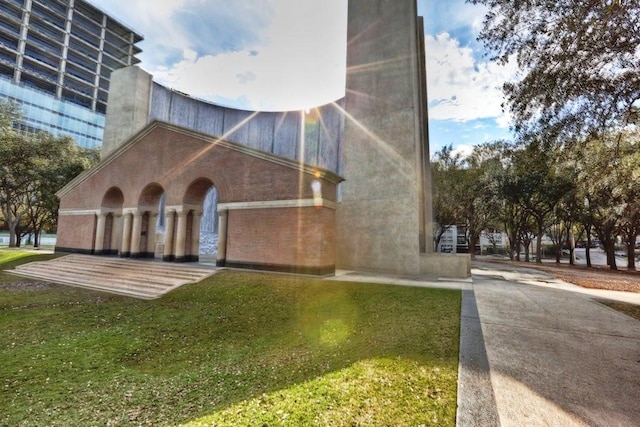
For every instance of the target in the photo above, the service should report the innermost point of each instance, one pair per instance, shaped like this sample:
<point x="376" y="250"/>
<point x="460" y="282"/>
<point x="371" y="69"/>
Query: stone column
<point x="222" y="238"/>
<point x="168" y="236"/>
<point x="195" y="236"/>
<point x="135" y="234"/>
<point x="125" y="248"/>
<point x="100" y="227"/>
<point x="151" y="234"/>
<point x="181" y="235"/>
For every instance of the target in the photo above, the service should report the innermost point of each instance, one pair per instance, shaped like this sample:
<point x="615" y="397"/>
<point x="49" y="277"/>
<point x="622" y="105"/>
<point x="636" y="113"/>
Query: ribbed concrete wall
<point x="312" y="137"/>
<point x="296" y="135"/>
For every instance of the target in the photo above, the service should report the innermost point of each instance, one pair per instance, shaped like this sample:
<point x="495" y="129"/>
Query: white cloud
<point x="464" y="150"/>
<point x="461" y="88"/>
<point x="154" y="21"/>
<point x="298" y="62"/>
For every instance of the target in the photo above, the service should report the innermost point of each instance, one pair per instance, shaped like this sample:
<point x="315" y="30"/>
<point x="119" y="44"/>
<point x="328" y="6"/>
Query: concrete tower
<point x="384" y="217"/>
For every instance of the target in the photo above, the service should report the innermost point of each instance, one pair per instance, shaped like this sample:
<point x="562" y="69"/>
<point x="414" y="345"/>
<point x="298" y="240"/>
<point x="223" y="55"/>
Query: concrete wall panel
<point x="261" y="131"/>
<point x="129" y="107"/>
<point x="287" y="135"/>
<point x="379" y="220"/>
<point x="138" y="101"/>
<point x="160" y="104"/>
<point x="184" y="110"/>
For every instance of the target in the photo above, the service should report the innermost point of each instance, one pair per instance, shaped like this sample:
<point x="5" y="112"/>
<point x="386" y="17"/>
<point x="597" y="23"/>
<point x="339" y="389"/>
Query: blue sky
<point x="247" y="53"/>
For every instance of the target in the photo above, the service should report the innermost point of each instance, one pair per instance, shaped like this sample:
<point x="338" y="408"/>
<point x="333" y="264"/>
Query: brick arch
<point x="197" y="190"/>
<point x="113" y="198"/>
<point x="143" y="229"/>
<point x="202" y="219"/>
<point x="107" y="222"/>
<point x="150" y="196"/>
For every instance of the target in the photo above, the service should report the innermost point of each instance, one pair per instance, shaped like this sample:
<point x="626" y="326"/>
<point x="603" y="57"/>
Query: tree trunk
<point x="511" y="249"/>
<point x="13" y="241"/>
<point x="36" y="238"/>
<point x="587" y="252"/>
<point x="609" y="247"/>
<point x="539" y="245"/>
<point x="472" y="245"/>
<point x="560" y="240"/>
<point x="572" y="249"/>
<point x="631" y="255"/>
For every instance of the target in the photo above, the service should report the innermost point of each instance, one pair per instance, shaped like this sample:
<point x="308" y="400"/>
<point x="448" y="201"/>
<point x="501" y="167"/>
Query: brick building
<point x="345" y="185"/>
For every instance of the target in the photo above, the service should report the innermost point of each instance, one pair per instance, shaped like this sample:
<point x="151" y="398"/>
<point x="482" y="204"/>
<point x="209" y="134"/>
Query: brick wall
<point x="78" y="233"/>
<point x="287" y="239"/>
<point x="180" y="164"/>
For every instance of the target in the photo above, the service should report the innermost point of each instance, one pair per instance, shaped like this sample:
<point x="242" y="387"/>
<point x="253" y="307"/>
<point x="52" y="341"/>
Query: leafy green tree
<point x="446" y="172"/>
<point x="465" y="191"/>
<point x="527" y="234"/>
<point x="537" y="185"/>
<point x="620" y="168"/>
<point x="630" y="229"/>
<point x="607" y="176"/>
<point x="9" y="114"/>
<point x="567" y="211"/>
<point x="628" y="147"/>
<point x="59" y="160"/>
<point x="33" y="168"/>
<point x="513" y="217"/>
<point x="16" y="165"/>
<point x="580" y="71"/>
<point x="478" y="194"/>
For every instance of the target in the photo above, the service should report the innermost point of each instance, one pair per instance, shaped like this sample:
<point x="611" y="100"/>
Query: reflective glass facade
<point x="59" y="54"/>
<point x="42" y="111"/>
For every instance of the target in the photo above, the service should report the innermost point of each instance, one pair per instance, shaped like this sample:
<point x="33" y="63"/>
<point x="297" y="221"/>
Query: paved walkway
<point x="539" y="352"/>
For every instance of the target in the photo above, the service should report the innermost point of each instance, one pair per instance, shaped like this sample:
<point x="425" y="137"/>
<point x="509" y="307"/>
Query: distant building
<point x="454" y="240"/>
<point x="56" y="59"/>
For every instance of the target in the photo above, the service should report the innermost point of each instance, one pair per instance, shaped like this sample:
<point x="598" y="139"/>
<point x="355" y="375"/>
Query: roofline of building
<point x="156" y="124"/>
<point x="116" y="20"/>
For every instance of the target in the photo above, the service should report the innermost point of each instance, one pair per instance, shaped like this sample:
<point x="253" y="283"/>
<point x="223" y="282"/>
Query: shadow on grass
<point x="631" y="310"/>
<point x="237" y="348"/>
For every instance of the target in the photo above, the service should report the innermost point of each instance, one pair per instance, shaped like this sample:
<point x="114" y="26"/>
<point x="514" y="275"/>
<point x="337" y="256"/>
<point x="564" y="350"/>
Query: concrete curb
<point x="476" y="401"/>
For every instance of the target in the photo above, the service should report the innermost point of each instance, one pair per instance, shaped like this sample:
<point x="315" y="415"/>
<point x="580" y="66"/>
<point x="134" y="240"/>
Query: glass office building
<point x="56" y="58"/>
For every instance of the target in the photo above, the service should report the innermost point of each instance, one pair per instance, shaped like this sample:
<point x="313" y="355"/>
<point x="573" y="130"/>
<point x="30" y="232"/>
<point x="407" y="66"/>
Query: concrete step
<point x="139" y="279"/>
<point x="132" y="291"/>
<point x="169" y="269"/>
<point x="77" y="269"/>
<point x="124" y="274"/>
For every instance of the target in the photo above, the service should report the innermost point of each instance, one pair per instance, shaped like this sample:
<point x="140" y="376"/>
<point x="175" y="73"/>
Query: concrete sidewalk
<point x="540" y="352"/>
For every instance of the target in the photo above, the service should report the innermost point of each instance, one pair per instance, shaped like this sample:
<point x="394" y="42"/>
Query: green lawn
<point x="12" y="257"/>
<point x="235" y="349"/>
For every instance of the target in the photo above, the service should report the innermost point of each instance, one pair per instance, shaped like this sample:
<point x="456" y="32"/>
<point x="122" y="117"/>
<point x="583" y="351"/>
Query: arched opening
<point x="201" y="198"/>
<point x="149" y="237"/>
<point x="209" y="235"/>
<point x="108" y="224"/>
